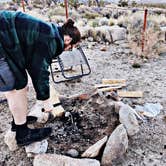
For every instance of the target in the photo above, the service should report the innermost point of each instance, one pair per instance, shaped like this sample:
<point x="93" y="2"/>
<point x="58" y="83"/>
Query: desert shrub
<point x="102" y="3"/>
<point x="90" y="15"/>
<point x="74" y="3"/>
<point x="133" y="3"/>
<point x="112" y="22"/>
<point x="151" y="46"/>
<point x="93" y="23"/>
<point x="56" y="11"/>
<point x="123" y="3"/>
<point x="123" y="21"/>
<point x="154" y="5"/>
<point x="158" y="19"/>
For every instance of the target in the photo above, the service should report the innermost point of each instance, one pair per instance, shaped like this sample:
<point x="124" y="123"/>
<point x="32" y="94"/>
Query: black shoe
<point x="32" y="135"/>
<point x="30" y="120"/>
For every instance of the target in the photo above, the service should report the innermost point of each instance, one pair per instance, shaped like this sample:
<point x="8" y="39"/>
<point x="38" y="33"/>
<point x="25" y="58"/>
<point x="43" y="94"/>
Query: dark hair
<point x="68" y="28"/>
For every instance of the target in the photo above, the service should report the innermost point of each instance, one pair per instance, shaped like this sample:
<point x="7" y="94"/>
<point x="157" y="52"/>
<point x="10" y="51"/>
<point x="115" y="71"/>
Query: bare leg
<point x="17" y="101"/>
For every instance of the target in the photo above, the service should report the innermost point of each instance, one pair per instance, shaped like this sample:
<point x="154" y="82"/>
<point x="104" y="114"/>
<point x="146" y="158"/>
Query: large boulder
<point x="116" y="146"/>
<point x="118" y="33"/>
<point x="59" y="160"/>
<point x="128" y="119"/>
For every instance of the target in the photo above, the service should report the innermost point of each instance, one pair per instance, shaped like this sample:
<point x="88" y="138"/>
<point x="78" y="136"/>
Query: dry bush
<point x="158" y="19"/>
<point x="89" y="15"/>
<point x="56" y="11"/>
<point x="112" y="22"/>
<point x="152" y="36"/>
<point x="151" y="44"/>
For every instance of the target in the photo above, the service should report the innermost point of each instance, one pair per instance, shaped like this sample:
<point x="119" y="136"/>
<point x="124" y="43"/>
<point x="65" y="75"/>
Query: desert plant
<point x="151" y="45"/>
<point x="133" y="3"/>
<point x="101" y="3"/>
<point x="89" y="15"/>
<point x="123" y="3"/>
<point x="112" y="22"/>
<point x="74" y="3"/>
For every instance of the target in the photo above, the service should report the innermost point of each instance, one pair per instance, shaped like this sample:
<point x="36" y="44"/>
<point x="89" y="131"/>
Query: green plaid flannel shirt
<point x="29" y="45"/>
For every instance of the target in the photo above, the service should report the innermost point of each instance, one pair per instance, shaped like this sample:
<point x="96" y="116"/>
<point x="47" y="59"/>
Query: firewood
<point x="114" y="81"/>
<point x="109" y="85"/>
<point x="130" y="94"/>
<point x="109" y="89"/>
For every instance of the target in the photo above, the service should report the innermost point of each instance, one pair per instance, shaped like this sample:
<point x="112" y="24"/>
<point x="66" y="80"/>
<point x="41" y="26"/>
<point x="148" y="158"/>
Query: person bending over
<point x="28" y="45"/>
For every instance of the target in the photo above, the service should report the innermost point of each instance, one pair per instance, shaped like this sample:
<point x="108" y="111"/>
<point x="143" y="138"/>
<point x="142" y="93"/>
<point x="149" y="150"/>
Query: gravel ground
<point x="148" y="147"/>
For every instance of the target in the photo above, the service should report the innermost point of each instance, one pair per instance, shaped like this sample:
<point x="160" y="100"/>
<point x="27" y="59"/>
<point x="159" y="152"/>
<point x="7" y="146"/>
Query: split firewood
<point x="130" y="94"/>
<point x="114" y="81"/>
<point x="83" y="96"/>
<point x="109" y="89"/>
<point x="109" y="85"/>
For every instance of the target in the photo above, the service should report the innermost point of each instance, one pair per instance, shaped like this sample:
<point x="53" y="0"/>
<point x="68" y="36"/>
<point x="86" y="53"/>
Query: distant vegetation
<point x="155" y="5"/>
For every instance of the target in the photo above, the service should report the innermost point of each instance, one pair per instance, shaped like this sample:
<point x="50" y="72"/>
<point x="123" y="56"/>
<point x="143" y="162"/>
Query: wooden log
<point x="130" y="94"/>
<point x="83" y="96"/>
<point x="114" y="81"/>
<point x="109" y="89"/>
<point x="109" y="85"/>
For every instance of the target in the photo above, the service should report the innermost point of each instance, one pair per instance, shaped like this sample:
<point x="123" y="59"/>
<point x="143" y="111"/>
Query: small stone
<point x="10" y="140"/>
<point x="136" y="65"/>
<point x="72" y="153"/>
<point x="37" y="147"/>
<point x="103" y="48"/>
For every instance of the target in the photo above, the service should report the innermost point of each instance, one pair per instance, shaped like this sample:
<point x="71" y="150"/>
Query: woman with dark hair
<point x="28" y="45"/>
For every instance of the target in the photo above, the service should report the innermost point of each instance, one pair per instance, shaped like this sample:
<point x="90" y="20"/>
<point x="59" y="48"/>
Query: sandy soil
<point x="148" y="148"/>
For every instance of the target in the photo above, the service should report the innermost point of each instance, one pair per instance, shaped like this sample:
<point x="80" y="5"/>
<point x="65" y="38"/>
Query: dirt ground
<point x="147" y="148"/>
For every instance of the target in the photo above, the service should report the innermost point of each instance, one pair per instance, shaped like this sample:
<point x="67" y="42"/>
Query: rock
<point x="72" y="153"/>
<point x="103" y="21"/>
<point x="118" y="105"/>
<point x="128" y="118"/>
<point x="36" y="111"/>
<point x="10" y="140"/>
<point x="59" y="160"/>
<point x="118" y="33"/>
<point x="116" y="146"/>
<point x="85" y="31"/>
<point x="103" y="33"/>
<point x="94" y="150"/>
<point x="37" y="147"/>
<point x="103" y="48"/>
